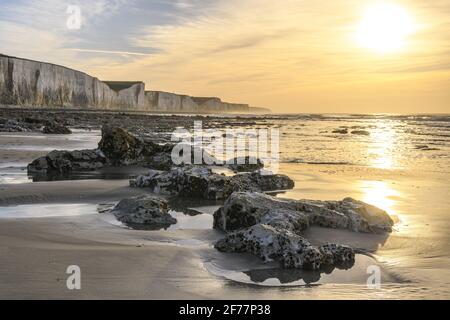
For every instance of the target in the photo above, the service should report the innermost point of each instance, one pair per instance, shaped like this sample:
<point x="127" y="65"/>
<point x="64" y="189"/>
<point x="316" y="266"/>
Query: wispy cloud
<point x="110" y="52"/>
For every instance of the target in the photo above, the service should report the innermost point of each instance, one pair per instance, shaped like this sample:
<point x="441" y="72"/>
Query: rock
<point x="12" y="125"/>
<point x="245" y="164"/>
<point x="244" y="209"/>
<point x="426" y="148"/>
<point x="361" y="132"/>
<point x="189" y="181"/>
<point x="36" y="121"/>
<point x="148" y="210"/>
<point x="120" y="146"/>
<point x="364" y="217"/>
<point x="123" y="148"/>
<point x="340" y="131"/>
<point x="291" y="250"/>
<point x="338" y="255"/>
<point x="201" y="182"/>
<point x="159" y="158"/>
<point x="61" y="162"/>
<point x="55" y="128"/>
<point x="258" y="181"/>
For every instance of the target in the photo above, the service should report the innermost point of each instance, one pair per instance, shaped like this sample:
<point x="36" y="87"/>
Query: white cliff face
<point x="31" y="83"/>
<point x="38" y="84"/>
<point x="171" y="102"/>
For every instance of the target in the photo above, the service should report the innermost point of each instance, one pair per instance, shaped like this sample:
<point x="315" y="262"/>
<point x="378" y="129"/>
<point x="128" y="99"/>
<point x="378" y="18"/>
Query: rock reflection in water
<point x="130" y="172"/>
<point x="286" y="276"/>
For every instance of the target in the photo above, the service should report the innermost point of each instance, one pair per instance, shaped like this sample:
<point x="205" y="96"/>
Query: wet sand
<point x="122" y="263"/>
<point x="117" y="262"/>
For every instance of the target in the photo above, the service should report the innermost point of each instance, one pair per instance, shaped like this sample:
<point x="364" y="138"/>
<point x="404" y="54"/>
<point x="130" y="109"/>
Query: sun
<point x="385" y="28"/>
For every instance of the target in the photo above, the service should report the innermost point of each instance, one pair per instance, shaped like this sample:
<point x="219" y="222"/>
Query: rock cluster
<point x="34" y="124"/>
<point x="201" y="182"/>
<point x="144" y="210"/>
<point x="271" y="228"/>
<point x="117" y="147"/>
<point x="12" y="125"/>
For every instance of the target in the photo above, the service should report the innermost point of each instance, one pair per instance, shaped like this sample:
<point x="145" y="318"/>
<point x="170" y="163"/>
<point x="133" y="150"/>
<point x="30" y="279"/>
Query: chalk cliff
<point x="166" y="101"/>
<point x="31" y="83"/>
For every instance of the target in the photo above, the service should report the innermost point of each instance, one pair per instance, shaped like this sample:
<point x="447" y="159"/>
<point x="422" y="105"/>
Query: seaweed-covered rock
<point x="61" y="162"/>
<point x="120" y="146"/>
<point x="55" y="128"/>
<point x="201" y="182"/>
<point x="244" y="209"/>
<point x="148" y="210"/>
<point x="291" y="250"/>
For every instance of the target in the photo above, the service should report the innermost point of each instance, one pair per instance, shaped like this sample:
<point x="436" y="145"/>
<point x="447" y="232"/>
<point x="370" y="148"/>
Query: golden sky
<point x="340" y="56"/>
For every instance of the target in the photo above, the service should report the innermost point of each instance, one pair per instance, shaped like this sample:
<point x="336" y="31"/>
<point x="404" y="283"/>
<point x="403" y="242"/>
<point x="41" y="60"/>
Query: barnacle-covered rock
<point x="244" y="209"/>
<point x="201" y="182"/>
<point x="290" y="249"/>
<point x="147" y="210"/>
<point x="62" y="162"/>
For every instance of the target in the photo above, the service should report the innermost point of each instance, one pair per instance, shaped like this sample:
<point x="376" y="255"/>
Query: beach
<point x="45" y="226"/>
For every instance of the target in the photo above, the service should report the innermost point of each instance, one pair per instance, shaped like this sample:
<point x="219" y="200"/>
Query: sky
<point x="303" y="56"/>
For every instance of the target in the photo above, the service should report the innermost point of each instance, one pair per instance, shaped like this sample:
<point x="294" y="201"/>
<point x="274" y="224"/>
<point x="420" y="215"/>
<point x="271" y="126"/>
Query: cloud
<point x="110" y="52"/>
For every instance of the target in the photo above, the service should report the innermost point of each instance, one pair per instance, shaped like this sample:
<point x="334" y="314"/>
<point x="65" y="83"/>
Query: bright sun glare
<point x="385" y="28"/>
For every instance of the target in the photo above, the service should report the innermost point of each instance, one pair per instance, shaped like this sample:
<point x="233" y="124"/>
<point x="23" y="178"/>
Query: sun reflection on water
<point x="382" y="149"/>
<point x="380" y="194"/>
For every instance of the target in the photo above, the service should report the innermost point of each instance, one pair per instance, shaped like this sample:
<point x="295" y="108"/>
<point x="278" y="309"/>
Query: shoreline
<point x="121" y="263"/>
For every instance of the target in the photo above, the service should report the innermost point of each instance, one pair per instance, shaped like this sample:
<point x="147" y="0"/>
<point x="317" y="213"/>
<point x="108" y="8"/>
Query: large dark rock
<point x="120" y="146"/>
<point x="55" y="128"/>
<point x="62" y="162"/>
<point x="201" y="182"/>
<point x="244" y="209"/>
<point x="292" y="250"/>
<point x="147" y="210"/>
